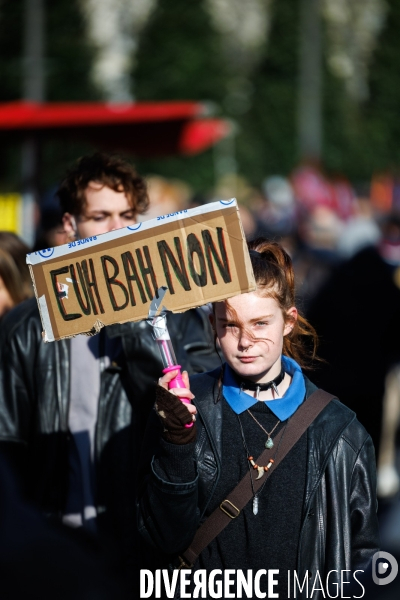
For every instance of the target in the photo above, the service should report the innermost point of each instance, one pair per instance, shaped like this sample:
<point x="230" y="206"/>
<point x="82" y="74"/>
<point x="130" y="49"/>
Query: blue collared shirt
<point x="283" y="407"/>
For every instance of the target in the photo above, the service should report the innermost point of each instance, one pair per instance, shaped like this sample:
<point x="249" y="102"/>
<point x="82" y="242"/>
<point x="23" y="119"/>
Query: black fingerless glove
<point x="174" y="416"/>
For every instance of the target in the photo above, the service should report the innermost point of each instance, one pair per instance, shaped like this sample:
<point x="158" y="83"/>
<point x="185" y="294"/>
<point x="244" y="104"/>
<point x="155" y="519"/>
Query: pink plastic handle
<point x="177" y="382"/>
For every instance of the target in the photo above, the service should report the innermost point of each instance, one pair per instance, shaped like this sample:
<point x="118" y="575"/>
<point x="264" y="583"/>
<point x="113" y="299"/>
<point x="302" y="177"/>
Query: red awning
<point x="145" y="129"/>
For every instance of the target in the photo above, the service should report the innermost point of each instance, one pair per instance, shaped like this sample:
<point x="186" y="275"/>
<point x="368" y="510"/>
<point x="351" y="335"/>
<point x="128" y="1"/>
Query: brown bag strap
<point x="231" y="507"/>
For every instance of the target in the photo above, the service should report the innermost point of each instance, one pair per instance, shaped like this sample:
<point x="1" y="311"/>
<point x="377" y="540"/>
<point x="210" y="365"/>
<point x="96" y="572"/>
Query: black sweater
<point x="269" y="539"/>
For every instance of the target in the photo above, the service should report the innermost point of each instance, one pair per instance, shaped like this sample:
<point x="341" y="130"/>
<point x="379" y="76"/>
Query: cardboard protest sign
<point x="200" y="255"/>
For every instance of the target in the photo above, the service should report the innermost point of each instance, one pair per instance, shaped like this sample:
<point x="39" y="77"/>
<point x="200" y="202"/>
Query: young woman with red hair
<point x="314" y="513"/>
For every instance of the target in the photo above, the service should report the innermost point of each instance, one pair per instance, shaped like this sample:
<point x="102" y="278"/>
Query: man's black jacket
<point x="339" y="529"/>
<point x="34" y="401"/>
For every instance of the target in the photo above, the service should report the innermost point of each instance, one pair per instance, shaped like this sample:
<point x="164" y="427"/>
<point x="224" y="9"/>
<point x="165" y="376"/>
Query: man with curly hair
<point x="72" y="412"/>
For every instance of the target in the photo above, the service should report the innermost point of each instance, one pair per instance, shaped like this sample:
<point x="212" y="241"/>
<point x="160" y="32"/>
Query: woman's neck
<point x="263" y="377"/>
<point x="279" y="379"/>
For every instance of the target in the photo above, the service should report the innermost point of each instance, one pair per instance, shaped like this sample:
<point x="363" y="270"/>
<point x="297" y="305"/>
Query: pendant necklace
<point x="253" y="466"/>
<point x="269" y="443"/>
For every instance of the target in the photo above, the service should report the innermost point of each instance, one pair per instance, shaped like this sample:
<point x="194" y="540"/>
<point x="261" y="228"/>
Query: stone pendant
<point x="255" y="505"/>
<point x="269" y="443"/>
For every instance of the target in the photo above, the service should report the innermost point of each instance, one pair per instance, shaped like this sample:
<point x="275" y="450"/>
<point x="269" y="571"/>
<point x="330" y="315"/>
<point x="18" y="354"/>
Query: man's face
<point x="103" y="211"/>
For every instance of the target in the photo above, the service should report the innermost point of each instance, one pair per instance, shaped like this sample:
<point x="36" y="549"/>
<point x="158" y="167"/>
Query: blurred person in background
<point x="72" y="412"/>
<point x="277" y="214"/>
<point x="51" y="231"/>
<point x="362" y="297"/>
<point x="166" y="197"/>
<point x="315" y="256"/>
<point x="249" y="223"/>
<point x="388" y="475"/>
<point x="313" y="188"/>
<point x="360" y="230"/>
<point x="15" y="281"/>
<point x="250" y="200"/>
<point x="323" y="206"/>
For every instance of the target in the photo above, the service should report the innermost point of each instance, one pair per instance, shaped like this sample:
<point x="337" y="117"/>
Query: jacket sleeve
<point x="363" y="505"/>
<point x="167" y="505"/>
<point x="18" y="351"/>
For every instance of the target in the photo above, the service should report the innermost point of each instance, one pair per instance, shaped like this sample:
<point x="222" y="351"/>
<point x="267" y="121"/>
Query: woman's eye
<point x="99" y="218"/>
<point x="261" y="323"/>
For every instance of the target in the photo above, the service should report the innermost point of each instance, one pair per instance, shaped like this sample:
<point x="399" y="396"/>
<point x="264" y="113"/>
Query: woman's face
<point x="251" y="335"/>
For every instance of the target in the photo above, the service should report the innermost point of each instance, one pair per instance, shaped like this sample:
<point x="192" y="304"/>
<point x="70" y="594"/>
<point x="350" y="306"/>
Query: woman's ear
<point x="291" y="318"/>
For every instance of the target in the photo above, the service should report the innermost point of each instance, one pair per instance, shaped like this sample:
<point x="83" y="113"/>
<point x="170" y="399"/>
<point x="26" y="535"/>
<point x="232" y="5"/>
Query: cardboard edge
<point x="48" y="335"/>
<point x="97" y="327"/>
<point x="32" y="274"/>
<point x="35" y="258"/>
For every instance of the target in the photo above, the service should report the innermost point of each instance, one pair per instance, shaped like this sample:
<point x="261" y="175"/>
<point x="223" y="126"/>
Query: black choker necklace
<point x="246" y="384"/>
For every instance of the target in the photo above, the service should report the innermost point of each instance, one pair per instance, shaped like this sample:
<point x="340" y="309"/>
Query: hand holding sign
<point x="183" y="393"/>
<point x="171" y="369"/>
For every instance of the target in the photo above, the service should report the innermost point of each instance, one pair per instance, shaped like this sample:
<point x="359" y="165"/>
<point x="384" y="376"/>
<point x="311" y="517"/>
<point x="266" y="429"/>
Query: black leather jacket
<point x="339" y="529"/>
<point x="34" y="401"/>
